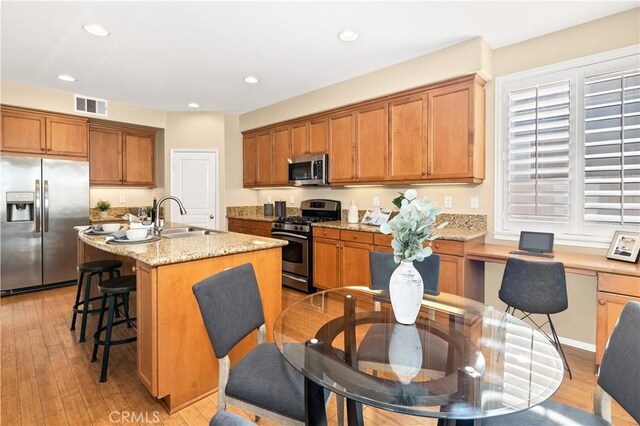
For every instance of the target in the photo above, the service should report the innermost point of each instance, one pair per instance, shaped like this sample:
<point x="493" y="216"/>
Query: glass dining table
<point x="460" y="362"/>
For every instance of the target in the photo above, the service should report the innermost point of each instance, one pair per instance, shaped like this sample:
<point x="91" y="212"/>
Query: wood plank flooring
<point x="47" y="377"/>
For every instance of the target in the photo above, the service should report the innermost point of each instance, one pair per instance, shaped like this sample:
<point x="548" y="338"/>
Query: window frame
<point x="576" y="232"/>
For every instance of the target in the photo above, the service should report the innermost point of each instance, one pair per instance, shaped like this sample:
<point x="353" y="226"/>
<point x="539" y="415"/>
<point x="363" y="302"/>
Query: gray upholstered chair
<point x="262" y="382"/>
<point x="226" y="418"/>
<point x="378" y="336"/>
<point x="619" y="378"/>
<point x="536" y="288"/>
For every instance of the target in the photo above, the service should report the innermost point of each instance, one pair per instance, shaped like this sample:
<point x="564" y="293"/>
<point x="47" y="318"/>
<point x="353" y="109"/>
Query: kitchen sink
<point x="186" y="232"/>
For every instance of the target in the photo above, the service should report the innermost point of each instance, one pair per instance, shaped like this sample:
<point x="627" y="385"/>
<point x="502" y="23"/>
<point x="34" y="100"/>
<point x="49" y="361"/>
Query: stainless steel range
<point x="297" y="256"/>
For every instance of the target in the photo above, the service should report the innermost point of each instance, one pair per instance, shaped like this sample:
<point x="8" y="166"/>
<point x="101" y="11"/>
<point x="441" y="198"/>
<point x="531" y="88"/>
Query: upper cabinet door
<point x="318" y="136"/>
<point x="341" y="148"/>
<point x="299" y="138"/>
<point x="451" y="132"/>
<point x="67" y="136"/>
<point x="265" y="159"/>
<point x="138" y="159"/>
<point x="23" y="132"/>
<point x="105" y="156"/>
<point x="371" y="143"/>
<point x="249" y="160"/>
<point x="407" y="133"/>
<point x="281" y="155"/>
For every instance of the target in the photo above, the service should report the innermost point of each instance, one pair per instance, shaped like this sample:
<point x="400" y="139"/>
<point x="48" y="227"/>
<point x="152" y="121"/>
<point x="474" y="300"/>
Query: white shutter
<point x="612" y="147"/>
<point x="537" y="157"/>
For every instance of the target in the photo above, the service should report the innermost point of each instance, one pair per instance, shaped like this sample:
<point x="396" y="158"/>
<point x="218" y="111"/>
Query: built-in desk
<point x="618" y="282"/>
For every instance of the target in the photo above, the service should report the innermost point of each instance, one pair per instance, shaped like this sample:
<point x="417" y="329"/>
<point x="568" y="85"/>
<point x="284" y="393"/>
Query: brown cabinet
<point x="371" y="143"/>
<point x="326" y="263"/>
<point x="309" y="137"/>
<point x="614" y="291"/>
<point x="341" y="148"/>
<point x="33" y="132"/>
<point x="299" y="138"/>
<point x="121" y="156"/>
<point x="455" y="146"/>
<point x="264" y="172"/>
<point x="252" y="227"/>
<point x="249" y="159"/>
<point x="281" y="155"/>
<point x="407" y="138"/>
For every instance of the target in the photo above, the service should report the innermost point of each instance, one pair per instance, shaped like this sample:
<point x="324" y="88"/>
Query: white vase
<point x="405" y="352"/>
<point x="352" y="216"/>
<point x="406" y="289"/>
<point x="102" y="214"/>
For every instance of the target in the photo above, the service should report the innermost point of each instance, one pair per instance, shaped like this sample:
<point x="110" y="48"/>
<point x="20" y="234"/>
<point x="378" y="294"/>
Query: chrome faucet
<point x="156" y="225"/>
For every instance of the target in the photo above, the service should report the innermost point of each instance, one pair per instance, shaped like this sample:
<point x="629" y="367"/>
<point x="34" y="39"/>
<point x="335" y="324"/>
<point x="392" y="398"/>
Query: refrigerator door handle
<point x="46" y="206"/>
<point x="37" y="206"/>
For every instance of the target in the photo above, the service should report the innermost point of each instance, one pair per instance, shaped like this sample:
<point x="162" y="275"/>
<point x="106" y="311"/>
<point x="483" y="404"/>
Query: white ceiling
<point x="164" y="55"/>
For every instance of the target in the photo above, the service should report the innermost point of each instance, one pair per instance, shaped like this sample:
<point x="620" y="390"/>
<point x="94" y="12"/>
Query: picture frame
<point x="624" y="246"/>
<point x="376" y="216"/>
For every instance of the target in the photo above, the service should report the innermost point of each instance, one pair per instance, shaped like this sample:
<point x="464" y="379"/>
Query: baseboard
<point x="577" y="344"/>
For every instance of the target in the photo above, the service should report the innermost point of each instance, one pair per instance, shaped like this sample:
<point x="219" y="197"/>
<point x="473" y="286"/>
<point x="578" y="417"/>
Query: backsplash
<point x="249" y="211"/>
<point x="118" y="212"/>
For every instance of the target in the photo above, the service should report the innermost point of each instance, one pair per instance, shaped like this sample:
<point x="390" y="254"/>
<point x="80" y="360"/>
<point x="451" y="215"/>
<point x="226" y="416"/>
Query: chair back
<point x="382" y="266"/>
<point x="620" y="368"/>
<point x="534" y="287"/>
<point x="230" y="305"/>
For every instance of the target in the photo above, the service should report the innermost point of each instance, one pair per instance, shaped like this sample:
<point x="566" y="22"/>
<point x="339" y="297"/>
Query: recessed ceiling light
<point x="96" y="30"/>
<point x="252" y="79"/>
<point x="66" y="77"/>
<point x="193" y="105"/>
<point x="348" y="35"/>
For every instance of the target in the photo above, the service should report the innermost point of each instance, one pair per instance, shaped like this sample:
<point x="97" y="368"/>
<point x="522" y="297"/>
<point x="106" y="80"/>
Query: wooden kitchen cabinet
<point x="249" y="160"/>
<point x="354" y="265"/>
<point x="122" y="156"/>
<point x="341" y="148"/>
<point x="281" y="155"/>
<point x="33" y="132"/>
<point x="299" y="138"/>
<point x="407" y="138"/>
<point x="371" y="143"/>
<point x="252" y="227"/>
<point x="614" y="291"/>
<point x="326" y="263"/>
<point x="455" y="136"/>
<point x="264" y="172"/>
<point x="309" y="137"/>
<point x="341" y="258"/>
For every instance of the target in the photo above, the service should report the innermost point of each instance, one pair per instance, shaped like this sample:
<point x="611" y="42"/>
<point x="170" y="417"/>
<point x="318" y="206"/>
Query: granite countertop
<point x="252" y="216"/>
<point x="167" y="251"/>
<point x="97" y="219"/>
<point x="447" y="233"/>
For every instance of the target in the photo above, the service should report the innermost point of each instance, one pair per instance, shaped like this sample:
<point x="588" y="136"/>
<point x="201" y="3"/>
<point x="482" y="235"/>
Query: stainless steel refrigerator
<point x="42" y="200"/>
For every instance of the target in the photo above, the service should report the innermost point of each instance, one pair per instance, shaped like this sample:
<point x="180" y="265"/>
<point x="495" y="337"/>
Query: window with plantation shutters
<point x="568" y="149"/>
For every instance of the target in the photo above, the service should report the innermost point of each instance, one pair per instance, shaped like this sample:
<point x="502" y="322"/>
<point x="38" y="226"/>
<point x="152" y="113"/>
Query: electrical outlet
<point x="292" y="200"/>
<point x="475" y="203"/>
<point x="376" y="201"/>
<point x="122" y="199"/>
<point x="448" y="202"/>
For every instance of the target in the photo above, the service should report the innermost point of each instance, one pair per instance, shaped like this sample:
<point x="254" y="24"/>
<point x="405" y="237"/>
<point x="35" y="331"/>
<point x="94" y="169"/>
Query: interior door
<point x="194" y="180"/>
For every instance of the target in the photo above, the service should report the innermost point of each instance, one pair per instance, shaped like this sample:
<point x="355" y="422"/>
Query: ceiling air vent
<point x="90" y="105"/>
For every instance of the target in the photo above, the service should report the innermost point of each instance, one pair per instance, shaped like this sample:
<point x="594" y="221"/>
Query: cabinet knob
<point x="436" y="245"/>
<point x="601" y="301"/>
<point x="133" y="269"/>
<point x="424" y="173"/>
<point x="211" y="216"/>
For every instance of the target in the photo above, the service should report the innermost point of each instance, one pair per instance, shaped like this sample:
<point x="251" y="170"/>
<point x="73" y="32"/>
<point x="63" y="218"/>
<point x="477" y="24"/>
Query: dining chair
<point x="536" y="288"/>
<point x="379" y="336"/>
<point x="226" y="418"/>
<point x="618" y="378"/>
<point x="262" y="382"/>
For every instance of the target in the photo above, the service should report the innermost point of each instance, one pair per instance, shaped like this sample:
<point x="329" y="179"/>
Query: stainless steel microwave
<point x="309" y="170"/>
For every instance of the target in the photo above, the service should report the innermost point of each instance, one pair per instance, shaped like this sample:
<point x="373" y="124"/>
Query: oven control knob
<point x="295" y="228"/>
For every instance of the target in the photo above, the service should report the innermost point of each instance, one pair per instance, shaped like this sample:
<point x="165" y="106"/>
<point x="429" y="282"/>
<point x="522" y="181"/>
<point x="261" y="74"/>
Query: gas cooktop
<point x="303" y="219"/>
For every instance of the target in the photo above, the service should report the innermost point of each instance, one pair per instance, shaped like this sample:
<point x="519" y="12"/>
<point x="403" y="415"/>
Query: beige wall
<point x="621" y="30"/>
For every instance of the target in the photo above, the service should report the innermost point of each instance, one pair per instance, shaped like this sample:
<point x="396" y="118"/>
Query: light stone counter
<point x="167" y="251"/>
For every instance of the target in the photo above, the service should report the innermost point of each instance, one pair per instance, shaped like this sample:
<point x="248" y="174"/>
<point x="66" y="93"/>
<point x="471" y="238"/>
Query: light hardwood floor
<point x="47" y="377"/>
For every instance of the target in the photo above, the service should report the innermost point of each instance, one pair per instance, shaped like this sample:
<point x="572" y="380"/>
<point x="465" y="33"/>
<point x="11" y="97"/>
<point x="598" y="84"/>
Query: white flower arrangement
<point x="411" y="227"/>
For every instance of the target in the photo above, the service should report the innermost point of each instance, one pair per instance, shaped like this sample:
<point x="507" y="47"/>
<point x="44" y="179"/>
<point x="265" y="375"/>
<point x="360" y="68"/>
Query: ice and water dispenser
<point x="20" y="206"/>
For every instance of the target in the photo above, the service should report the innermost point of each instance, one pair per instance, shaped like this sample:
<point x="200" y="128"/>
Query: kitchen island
<point x="175" y="360"/>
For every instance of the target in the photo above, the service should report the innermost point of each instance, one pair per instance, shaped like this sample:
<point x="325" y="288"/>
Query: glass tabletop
<point x="460" y="360"/>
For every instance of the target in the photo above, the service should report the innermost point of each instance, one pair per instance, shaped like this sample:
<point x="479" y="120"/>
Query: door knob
<point x="211" y="216"/>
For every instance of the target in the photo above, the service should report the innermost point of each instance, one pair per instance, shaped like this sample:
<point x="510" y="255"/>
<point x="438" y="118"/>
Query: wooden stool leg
<point x="85" y="307"/>
<point x="75" y="305"/>
<point x="96" y="337"/>
<point x="107" y="340"/>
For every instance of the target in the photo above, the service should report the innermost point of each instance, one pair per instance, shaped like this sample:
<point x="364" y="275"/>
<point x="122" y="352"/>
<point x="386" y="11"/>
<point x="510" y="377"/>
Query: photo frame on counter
<point x="376" y="216"/>
<point x="624" y="246"/>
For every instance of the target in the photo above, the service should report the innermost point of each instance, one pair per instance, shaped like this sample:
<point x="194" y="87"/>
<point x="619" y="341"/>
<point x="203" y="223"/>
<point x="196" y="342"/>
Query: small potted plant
<point x="103" y="207"/>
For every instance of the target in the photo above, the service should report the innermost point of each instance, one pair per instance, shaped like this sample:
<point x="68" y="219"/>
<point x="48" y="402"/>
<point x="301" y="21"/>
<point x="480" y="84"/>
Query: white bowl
<point x="111" y="227"/>
<point x="137" y="234"/>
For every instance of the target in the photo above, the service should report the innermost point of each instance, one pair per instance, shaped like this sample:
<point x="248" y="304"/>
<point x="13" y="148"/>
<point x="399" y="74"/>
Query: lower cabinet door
<point x="326" y="263"/>
<point x="451" y="273"/>
<point x="607" y="313"/>
<point x="355" y="264"/>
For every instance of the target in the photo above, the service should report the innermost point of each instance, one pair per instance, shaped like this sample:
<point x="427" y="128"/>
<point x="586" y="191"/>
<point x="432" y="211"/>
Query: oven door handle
<point x="286" y="234"/>
<point x="291" y="277"/>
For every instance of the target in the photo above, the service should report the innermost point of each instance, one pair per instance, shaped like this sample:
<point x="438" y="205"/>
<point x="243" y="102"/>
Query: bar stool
<point x="90" y="269"/>
<point x="111" y="289"/>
